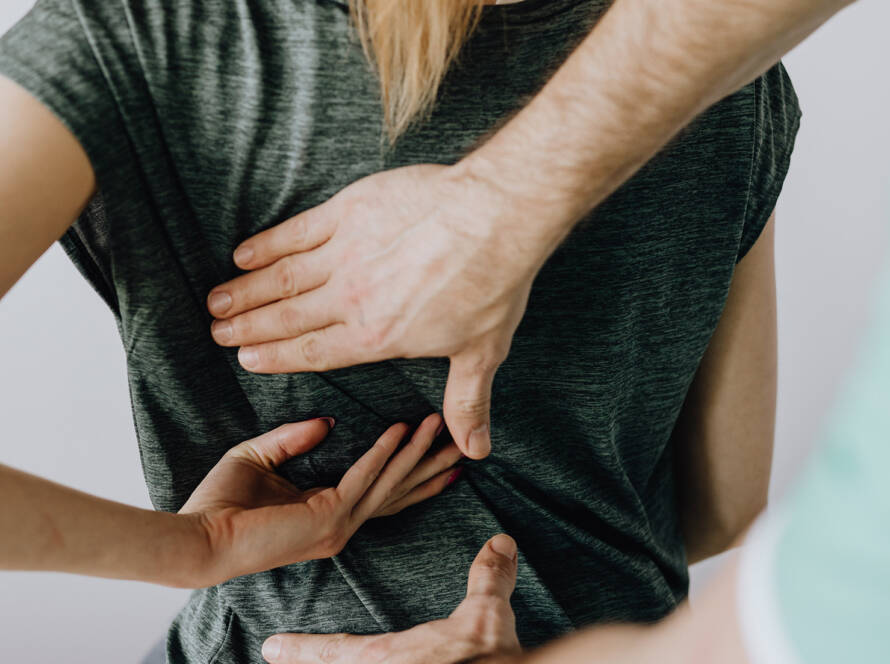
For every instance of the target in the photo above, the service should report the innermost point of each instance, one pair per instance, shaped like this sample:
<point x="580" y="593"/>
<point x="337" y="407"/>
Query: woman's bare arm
<point x="243" y="518"/>
<point x="45" y="181"/>
<point x="723" y="441"/>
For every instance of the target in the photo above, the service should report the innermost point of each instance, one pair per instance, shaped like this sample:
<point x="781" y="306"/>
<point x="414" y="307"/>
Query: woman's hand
<point x="414" y="262"/>
<point x="255" y="520"/>
<point x="481" y="629"/>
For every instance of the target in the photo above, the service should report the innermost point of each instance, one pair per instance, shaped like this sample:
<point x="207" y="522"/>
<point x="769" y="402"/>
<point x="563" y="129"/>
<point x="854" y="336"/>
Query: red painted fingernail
<point x="330" y="420"/>
<point x="454" y="476"/>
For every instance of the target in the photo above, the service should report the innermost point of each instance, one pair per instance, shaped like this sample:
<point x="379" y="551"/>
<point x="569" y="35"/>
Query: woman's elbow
<point x="717" y="531"/>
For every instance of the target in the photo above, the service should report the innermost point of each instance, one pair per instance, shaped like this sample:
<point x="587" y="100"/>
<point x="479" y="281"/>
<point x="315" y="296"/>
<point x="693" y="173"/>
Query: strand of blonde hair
<point x="412" y="44"/>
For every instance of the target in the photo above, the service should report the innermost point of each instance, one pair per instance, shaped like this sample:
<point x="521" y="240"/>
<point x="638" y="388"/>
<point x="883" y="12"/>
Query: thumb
<point x="467" y="407"/>
<point x="277" y="446"/>
<point x="493" y="572"/>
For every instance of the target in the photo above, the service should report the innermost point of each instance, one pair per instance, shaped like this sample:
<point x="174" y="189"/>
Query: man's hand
<point x="414" y="262"/>
<point x="482" y="628"/>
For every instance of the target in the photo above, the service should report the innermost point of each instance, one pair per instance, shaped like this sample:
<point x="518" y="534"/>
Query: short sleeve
<point x="777" y="120"/>
<point x="50" y="54"/>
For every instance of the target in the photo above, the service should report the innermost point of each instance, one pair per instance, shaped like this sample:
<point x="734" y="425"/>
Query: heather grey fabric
<point x="209" y="121"/>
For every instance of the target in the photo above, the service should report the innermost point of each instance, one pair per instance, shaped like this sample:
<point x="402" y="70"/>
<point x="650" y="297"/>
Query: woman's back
<point x="207" y="122"/>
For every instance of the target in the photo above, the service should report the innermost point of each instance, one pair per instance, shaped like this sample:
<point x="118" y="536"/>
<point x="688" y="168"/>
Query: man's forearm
<point x="48" y="527"/>
<point x="646" y="70"/>
<point x="708" y="633"/>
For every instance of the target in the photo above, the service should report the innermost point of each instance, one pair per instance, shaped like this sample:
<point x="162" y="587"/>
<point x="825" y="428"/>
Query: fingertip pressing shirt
<point x="207" y="122"/>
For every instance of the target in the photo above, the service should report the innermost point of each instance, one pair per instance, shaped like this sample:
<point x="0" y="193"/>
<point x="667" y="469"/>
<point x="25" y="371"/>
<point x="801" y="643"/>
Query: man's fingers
<point x="277" y="446"/>
<point x="468" y="404"/>
<point x="314" y="648"/>
<point x="289" y="276"/>
<point x="359" y="478"/>
<point x="493" y="573"/>
<point x="320" y="350"/>
<point x="306" y="231"/>
<point x="398" y="468"/>
<point x="286" y="319"/>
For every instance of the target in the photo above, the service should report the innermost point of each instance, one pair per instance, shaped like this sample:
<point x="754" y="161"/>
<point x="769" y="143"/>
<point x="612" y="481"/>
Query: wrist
<point x="189" y="560"/>
<point x="524" y="218"/>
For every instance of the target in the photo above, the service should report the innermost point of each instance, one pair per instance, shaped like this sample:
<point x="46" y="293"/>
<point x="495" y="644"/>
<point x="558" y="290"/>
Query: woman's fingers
<point x="418" y="494"/>
<point x="289" y="276"/>
<point x="359" y="478"/>
<point x="431" y="466"/>
<point x="399" y="468"/>
<point x="286" y="319"/>
<point x="441" y="461"/>
<point x="277" y="446"/>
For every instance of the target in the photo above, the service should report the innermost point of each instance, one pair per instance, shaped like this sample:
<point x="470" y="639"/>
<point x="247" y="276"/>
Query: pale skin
<point x="441" y="245"/>
<point x="243" y="517"/>
<point x="482" y="629"/>
<point x="640" y="77"/>
<point x="716" y="506"/>
<point x="468" y="239"/>
<point x="613" y="104"/>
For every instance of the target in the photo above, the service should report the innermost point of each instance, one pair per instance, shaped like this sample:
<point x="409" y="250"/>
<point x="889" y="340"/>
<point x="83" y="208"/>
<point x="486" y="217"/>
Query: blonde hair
<point x="412" y="44"/>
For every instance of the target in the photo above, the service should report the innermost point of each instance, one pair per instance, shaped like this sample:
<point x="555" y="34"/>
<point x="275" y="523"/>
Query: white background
<point x="63" y="396"/>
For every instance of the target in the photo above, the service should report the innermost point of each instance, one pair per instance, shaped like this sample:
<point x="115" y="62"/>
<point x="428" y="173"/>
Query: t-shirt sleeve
<point x="51" y="55"/>
<point x="777" y="120"/>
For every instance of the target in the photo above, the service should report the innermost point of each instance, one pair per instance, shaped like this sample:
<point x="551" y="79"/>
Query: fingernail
<point x="330" y="420"/>
<point x="248" y="358"/>
<point x="505" y="546"/>
<point x="219" y="303"/>
<point x="479" y="445"/>
<point x="243" y="255"/>
<point x="440" y="429"/>
<point x="221" y="330"/>
<point x="272" y="648"/>
<point x="454" y="476"/>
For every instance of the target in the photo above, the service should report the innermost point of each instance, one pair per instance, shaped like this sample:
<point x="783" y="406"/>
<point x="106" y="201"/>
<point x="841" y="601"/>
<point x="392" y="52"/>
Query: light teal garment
<point x="833" y="560"/>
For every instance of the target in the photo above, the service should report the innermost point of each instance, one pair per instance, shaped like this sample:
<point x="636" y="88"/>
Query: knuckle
<point x="297" y="231"/>
<point x="355" y="293"/>
<point x="380" y="335"/>
<point x="330" y="649"/>
<point x="242" y="327"/>
<point x="268" y="355"/>
<point x="286" y="277"/>
<point x="473" y="407"/>
<point x="482" y="363"/>
<point x="495" y="566"/>
<point x="372" y="337"/>
<point x="499" y="572"/>
<point x="311" y="351"/>
<point x="376" y="651"/>
<point x="291" y="320"/>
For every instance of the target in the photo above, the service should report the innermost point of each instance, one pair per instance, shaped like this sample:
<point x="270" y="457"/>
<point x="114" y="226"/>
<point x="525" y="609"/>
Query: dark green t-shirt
<point x="209" y="121"/>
